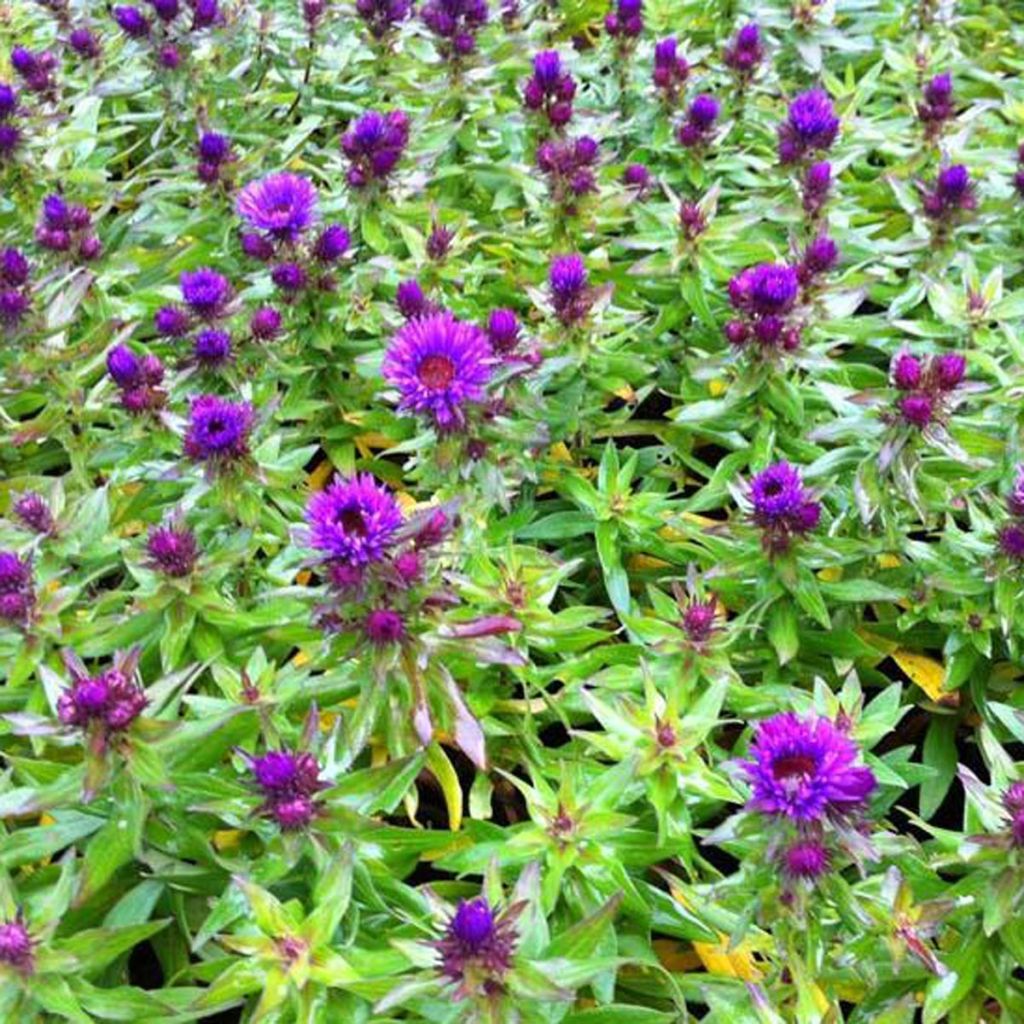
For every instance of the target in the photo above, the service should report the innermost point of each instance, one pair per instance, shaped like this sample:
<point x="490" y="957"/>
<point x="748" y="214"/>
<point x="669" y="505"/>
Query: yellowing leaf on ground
<point x="889" y="561"/>
<point x="831" y="574"/>
<point x="717" y="387"/>
<point x="319" y="477"/>
<point x="227" y="838"/>
<point x="716" y="956"/>
<point x="640" y="562"/>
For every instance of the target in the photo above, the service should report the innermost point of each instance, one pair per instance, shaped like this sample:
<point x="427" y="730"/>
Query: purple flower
<point x="636" y="176"/>
<point x="767" y="289"/>
<point x="820" y="256"/>
<point x="810" y="126"/>
<point x="218" y="430"/>
<point x="625" y="20"/>
<point x="256" y="246"/>
<point x="172" y="550"/>
<point x="692" y="220"/>
<point x="671" y="69"/>
<point x="905" y="371"/>
<point x="353" y="521"/>
<point x="332" y="244"/>
<point x="34" y="513"/>
<point x="84" y="43"/>
<point x="952" y="192"/>
<point x="169" y="57"/>
<point x="948" y="370"/>
<point x="476" y="941"/>
<point x="283" y="773"/>
<point x="383" y="627"/>
<point x="1011" y="542"/>
<point x="111" y="699"/>
<point x="816" y="185"/>
<point x="14" y="305"/>
<point x="374" y="144"/>
<point x="937" y="106"/>
<point x="292" y="813"/>
<point x="14" y="268"/>
<point x="781" y="505"/>
<point x="745" y="51"/>
<point x="700" y="120"/>
<point x="439" y="242"/>
<point x="282" y="205"/>
<point x="123" y="366"/>
<point x="289" y="277"/>
<point x="265" y="323"/>
<point x="806" y="859"/>
<point x="15" y="572"/>
<point x="503" y="330"/>
<point x="699" y="621"/>
<point x="1013" y="802"/>
<point x="804" y="769"/>
<point x="455" y="24"/>
<point x="381" y="16"/>
<point x="205" y="13"/>
<point x="211" y="347"/>
<point x="172" y="322"/>
<point x="213" y="148"/>
<point x="411" y="301"/>
<point x="205" y="291"/>
<point x="131" y="21"/>
<point x="550" y="88"/>
<point x="16" y="946"/>
<point x="10" y="139"/>
<point x="917" y="409"/>
<point x="439" y="365"/>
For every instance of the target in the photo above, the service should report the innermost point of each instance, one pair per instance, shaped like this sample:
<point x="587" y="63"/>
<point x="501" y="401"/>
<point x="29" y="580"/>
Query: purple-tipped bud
<point x="172" y="550"/>
<point x="439" y="242"/>
<point x="169" y="57"/>
<point x="699" y="621"/>
<point x="123" y="366"/>
<point x="1011" y="542"/>
<point x="906" y="371"/>
<point x="384" y="626"/>
<point x="332" y="244"/>
<point x="16" y="946"/>
<point x="949" y="370"/>
<point x="265" y="323"/>
<point x="257" y="246"/>
<point x="411" y="301"/>
<point x="289" y="277"/>
<point x="917" y="409"/>
<point x="806" y="859"/>
<point x="84" y="43"/>
<point x="503" y="330"/>
<point x="212" y="347"/>
<point x="636" y="176"/>
<point x="214" y="148"/>
<point x="131" y="21"/>
<point x="172" y="322"/>
<point x="33" y="512"/>
<point x="14" y="268"/>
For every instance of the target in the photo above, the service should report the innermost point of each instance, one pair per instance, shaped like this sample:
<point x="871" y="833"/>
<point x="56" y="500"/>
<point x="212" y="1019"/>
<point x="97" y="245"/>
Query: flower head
<point x="16" y="946"/>
<point x="131" y="21"/>
<point x="570" y="294"/>
<point x="811" y="125"/>
<point x="384" y="626"/>
<point x="671" y="69"/>
<point x="211" y="347"/>
<point x="745" y="51"/>
<point x="354" y="520"/>
<point x="767" y="289"/>
<point x="218" y="430"/>
<point x="172" y="550"/>
<point x="205" y="291"/>
<point x="699" y="621"/>
<point x="289" y="782"/>
<point x="111" y="699"/>
<point x="439" y="366"/>
<point x="806" y="859"/>
<point x="33" y="512"/>
<point x="374" y="144"/>
<point x="805" y="769"/>
<point x="781" y="505"/>
<point x="281" y="205"/>
<point x="477" y="941"/>
<point x="84" y="43"/>
<point x="503" y="330"/>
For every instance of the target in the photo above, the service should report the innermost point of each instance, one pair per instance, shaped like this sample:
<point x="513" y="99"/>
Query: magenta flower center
<point x="436" y="372"/>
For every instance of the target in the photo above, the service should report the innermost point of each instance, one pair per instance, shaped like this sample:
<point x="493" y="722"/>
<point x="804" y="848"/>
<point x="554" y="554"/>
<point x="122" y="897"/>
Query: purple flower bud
<point x="439" y="242"/>
<point x="384" y="626"/>
<point x="806" y="859"/>
<point x="205" y="291"/>
<point x="503" y="330"/>
<point x="16" y="946"/>
<point x="84" y="43"/>
<point x="636" y="176"/>
<point x="473" y="923"/>
<point x="90" y="248"/>
<point x="289" y="277"/>
<point x="703" y="111"/>
<point x="293" y="813"/>
<point x="906" y="371"/>
<point x="257" y="246"/>
<point x="699" y="621"/>
<point x="14" y="268"/>
<point x="265" y="323"/>
<point x="917" y="409"/>
<point x="172" y="550"/>
<point x="214" y="148"/>
<point x="166" y="10"/>
<point x="34" y="513"/>
<point x="410" y="300"/>
<point x="212" y="347"/>
<point x="8" y="100"/>
<point x="949" y="370"/>
<point x="1011" y="542"/>
<point x="123" y="366"/>
<point x="171" y="322"/>
<point x="169" y="57"/>
<point x="332" y="244"/>
<point x="131" y="21"/>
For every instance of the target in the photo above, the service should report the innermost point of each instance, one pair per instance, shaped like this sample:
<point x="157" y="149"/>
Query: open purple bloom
<point x="205" y="291"/>
<point x="282" y="205"/>
<point x="781" y="505"/>
<point x="218" y="430"/>
<point x="767" y="289"/>
<point x="805" y="769"/>
<point x="439" y="366"/>
<point x="811" y="125"/>
<point x="354" y="520"/>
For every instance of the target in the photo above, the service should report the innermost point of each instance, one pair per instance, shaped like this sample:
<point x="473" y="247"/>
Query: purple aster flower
<point x="131" y="21"/>
<point x="767" y="289"/>
<point x="205" y="291"/>
<point x="374" y="144"/>
<point x="213" y="148"/>
<point x="937" y="106"/>
<point x="218" y="430"/>
<point x="282" y="773"/>
<point x="333" y="243"/>
<point x="15" y="572"/>
<point x="292" y="814"/>
<point x="172" y="550"/>
<point x="383" y="627"/>
<point x="671" y="69"/>
<point x="14" y="268"/>
<point x="625" y="20"/>
<point x="550" y="89"/>
<point x="952" y="192"/>
<point x="570" y="295"/>
<point x="805" y="769"/>
<point x="477" y="942"/>
<point x="34" y="513"/>
<point x="806" y="859"/>
<point x="111" y="699"/>
<point x="699" y="621"/>
<point x="289" y="277"/>
<point x="56" y="213"/>
<point x="636" y="176"/>
<point x="16" y="946"/>
<point x="166" y="10"/>
<point x="439" y="365"/>
<point x="205" y="13"/>
<point x="811" y="125"/>
<point x="906" y="371"/>
<point x="84" y="43"/>
<point x="503" y="330"/>
<point x="782" y="506"/>
<point x="172" y="322"/>
<point x="382" y="16"/>
<point x="1011" y="542"/>
<point x="820" y="256"/>
<point x="692" y="220"/>
<point x="1013" y="802"/>
<point x="169" y="57"/>
<point x="353" y="521"/>
<point x="265" y="323"/>
<point x="282" y="205"/>
<point x="697" y="129"/>
<point x="948" y="370"/>
<point x="211" y="347"/>
<point x="455" y="24"/>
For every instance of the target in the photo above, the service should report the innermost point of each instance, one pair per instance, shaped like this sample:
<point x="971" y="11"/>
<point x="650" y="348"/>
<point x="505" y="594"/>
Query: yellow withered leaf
<point x="626" y="393"/>
<point x="227" y="838"/>
<point x="889" y="561"/>
<point x="831" y="574"/>
<point x="640" y="562"/>
<point x="319" y="477"/>
<point x="924" y="671"/>
<point x="559" y="452"/>
<point x="716" y="956"/>
<point x="301" y="658"/>
<point x="717" y="387"/>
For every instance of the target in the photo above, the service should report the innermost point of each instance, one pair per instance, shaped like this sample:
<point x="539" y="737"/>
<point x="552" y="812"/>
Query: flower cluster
<point x="169" y="34"/>
<point x="383" y="16"/>
<point x="110" y="701"/>
<point x="374" y="144"/>
<point x="671" y="69"/>
<point x="571" y="295"/>
<point x="625" y="21"/>
<point x="477" y="948"/>
<point x="441" y="366"/>
<point x="371" y="558"/>
<point x="138" y="379"/>
<point x="569" y="167"/>
<point x="15" y="288"/>
<point x="550" y="89"/>
<point x="64" y="227"/>
<point x="815" y="188"/>
<point x="289" y="782"/>
<point x="810" y="126"/>
<point x="17" y="588"/>
<point x="84" y="42"/>
<point x="172" y="550"/>
<point x="699" y="125"/>
<point x="35" y="69"/>
<point x="1011" y="535"/>
<point x="10" y="110"/>
<point x="951" y="195"/>
<point x="213" y="153"/>
<point x="804" y="775"/>
<point x="782" y="506"/>
<point x="455" y="24"/>
<point x="937" y="106"/>
<point x="745" y="52"/>
<point x="765" y="296"/>
<point x="928" y="388"/>
<point x="218" y="431"/>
